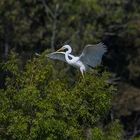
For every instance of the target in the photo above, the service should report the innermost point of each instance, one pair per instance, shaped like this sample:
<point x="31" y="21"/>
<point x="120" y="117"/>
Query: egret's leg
<point x="82" y="72"/>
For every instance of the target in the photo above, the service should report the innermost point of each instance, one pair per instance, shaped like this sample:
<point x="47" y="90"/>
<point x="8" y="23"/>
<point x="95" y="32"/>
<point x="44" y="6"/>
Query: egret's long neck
<point x="67" y="54"/>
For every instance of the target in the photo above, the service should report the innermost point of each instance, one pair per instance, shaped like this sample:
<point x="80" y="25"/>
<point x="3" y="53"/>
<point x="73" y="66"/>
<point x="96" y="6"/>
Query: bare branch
<point x="54" y="27"/>
<point x="47" y="9"/>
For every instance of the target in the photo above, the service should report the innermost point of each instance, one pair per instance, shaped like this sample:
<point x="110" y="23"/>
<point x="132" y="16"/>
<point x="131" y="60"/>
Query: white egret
<point x="90" y="57"/>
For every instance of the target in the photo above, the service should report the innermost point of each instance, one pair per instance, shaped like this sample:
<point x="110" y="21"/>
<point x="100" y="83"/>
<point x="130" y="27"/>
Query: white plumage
<point x="90" y="57"/>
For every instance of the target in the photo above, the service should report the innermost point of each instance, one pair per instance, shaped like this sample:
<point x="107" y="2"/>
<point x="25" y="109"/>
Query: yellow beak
<point x="61" y="49"/>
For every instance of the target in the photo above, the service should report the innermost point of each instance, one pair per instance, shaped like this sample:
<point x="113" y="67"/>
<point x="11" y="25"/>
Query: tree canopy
<point x="28" y="107"/>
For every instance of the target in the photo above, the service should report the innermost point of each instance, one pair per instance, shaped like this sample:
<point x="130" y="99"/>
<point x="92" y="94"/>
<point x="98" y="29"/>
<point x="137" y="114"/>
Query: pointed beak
<point x="61" y="49"/>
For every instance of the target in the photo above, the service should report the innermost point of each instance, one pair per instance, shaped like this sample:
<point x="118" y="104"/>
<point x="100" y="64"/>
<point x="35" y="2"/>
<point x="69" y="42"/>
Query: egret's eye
<point x="65" y="49"/>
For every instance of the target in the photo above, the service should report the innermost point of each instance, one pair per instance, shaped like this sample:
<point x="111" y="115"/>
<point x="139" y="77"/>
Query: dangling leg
<point x="82" y="72"/>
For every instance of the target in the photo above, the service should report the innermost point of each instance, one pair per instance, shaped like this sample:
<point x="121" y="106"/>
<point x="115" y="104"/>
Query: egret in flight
<point x="89" y="58"/>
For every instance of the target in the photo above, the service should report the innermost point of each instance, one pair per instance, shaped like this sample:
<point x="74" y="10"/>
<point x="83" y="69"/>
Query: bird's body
<point x="78" y="64"/>
<point x="90" y="57"/>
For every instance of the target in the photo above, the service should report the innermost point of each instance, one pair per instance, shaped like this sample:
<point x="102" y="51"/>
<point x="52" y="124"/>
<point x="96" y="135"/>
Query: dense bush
<point x="31" y="26"/>
<point x="37" y="104"/>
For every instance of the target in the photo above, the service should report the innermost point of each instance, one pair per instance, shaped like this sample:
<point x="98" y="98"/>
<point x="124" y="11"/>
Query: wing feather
<point x="57" y="56"/>
<point x="92" y="54"/>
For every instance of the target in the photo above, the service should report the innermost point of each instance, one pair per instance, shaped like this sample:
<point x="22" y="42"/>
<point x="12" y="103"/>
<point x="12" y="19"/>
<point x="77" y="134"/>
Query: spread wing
<point x="57" y="56"/>
<point x="92" y="54"/>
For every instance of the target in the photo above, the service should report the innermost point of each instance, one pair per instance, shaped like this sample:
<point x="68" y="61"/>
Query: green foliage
<point x="114" y="131"/>
<point x="12" y="65"/>
<point x="137" y="138"/>
<point x="37" y="104"/>
<point x="97" y="134"/>
<point x="29" y="26"/>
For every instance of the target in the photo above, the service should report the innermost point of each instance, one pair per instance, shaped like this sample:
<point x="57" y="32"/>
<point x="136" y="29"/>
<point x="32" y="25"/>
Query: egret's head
<point x="65" y="47"/>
